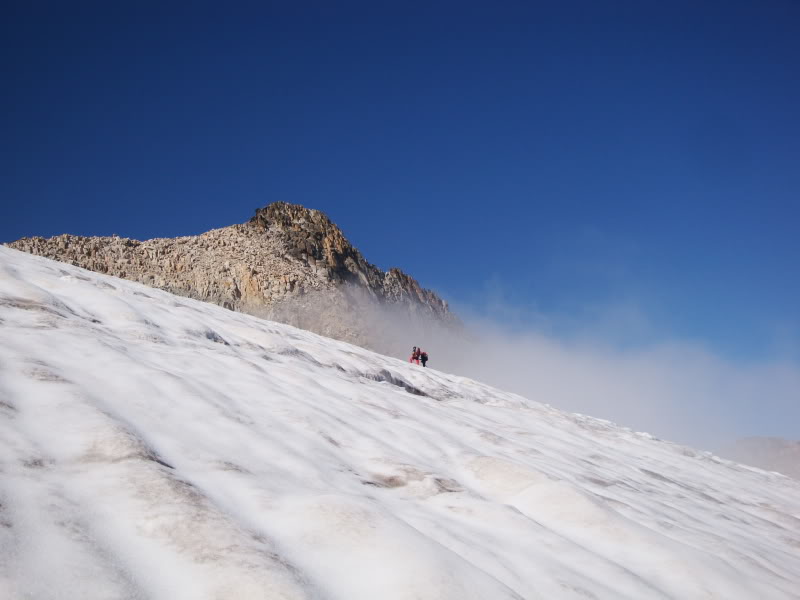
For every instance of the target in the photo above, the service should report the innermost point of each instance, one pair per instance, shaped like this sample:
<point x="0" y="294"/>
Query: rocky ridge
<point x="287" y="263"/>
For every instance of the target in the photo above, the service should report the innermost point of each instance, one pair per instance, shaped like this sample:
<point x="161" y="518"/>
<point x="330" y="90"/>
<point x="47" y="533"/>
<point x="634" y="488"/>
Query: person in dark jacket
<point x="423" y="356"/>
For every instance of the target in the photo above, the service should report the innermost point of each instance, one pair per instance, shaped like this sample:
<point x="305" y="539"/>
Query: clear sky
<point x="632" y="170"/>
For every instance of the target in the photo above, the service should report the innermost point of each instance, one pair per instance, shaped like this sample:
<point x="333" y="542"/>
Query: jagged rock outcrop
<point x="288" y="263"/>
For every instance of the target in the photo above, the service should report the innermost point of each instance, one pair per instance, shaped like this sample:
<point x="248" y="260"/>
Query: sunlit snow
<point x="153" y="446"/>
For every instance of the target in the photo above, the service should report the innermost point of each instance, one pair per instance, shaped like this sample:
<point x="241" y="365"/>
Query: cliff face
<point x="287" y="263"/>
<point x="313" y="240"/>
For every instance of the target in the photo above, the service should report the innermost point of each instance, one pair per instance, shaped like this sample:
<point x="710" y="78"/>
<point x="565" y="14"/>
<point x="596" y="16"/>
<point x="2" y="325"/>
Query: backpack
<point x="424" y="355"/>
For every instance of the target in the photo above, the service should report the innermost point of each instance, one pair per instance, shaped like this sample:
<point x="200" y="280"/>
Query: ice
<point x="159" y="447"/>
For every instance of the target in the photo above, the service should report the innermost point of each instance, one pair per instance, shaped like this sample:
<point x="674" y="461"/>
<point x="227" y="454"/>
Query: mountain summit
<point x="288" y="263"/>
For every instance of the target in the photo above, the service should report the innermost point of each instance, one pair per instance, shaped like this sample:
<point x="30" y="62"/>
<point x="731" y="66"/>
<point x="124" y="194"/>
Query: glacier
<point x="154" y="446"/>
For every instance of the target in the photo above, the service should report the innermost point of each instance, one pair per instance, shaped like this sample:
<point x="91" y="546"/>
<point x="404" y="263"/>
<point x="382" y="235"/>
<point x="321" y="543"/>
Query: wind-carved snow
<point x="153" y="446"/>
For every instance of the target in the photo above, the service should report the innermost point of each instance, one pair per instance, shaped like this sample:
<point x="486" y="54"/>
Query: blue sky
<point x="630" y="171"/>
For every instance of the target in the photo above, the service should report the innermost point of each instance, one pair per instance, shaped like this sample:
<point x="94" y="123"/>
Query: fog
<point x="673" y="389"/>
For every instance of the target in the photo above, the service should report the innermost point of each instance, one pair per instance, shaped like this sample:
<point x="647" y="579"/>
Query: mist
<point x="676" y="390"/>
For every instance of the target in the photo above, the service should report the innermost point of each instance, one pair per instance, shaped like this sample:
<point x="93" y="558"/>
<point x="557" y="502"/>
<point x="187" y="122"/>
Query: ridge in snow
<point x="153" y="446"/>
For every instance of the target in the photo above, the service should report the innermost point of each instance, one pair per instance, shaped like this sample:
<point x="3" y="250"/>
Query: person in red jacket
<point x="415" y="353"/>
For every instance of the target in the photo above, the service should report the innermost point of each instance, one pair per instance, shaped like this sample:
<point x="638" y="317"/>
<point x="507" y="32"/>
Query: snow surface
<point x="152" y="446"/>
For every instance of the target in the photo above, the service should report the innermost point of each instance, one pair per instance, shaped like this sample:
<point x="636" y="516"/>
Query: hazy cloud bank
<point x="673" y="389"/>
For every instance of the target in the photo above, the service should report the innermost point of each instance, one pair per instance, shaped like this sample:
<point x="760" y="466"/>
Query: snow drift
<point x="153" y="446"/>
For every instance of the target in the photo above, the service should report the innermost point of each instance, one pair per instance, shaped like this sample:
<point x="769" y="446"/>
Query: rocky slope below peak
<point x="287" y="263"/>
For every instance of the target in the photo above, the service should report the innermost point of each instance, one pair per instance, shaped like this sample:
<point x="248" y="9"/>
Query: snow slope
<point x="153" y="446"/>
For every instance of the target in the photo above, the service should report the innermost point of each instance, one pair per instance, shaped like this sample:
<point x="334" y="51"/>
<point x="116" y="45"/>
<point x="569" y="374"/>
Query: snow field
<point x="153" y="446"/>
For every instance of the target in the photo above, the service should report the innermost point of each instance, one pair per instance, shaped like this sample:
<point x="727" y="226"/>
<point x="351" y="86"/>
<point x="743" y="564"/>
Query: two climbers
<point x="417" y="355"/>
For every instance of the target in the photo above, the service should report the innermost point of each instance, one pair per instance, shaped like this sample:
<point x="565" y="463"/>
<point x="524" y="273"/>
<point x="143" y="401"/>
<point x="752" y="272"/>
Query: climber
<point x="423" y="356"/>
<point x="414" y="355"/>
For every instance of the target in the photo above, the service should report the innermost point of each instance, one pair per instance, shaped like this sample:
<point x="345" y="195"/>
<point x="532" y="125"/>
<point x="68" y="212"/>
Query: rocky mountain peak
<point x="292" y="216"/>
<point x="310" y="236"/>
<point x="287" y="263"/>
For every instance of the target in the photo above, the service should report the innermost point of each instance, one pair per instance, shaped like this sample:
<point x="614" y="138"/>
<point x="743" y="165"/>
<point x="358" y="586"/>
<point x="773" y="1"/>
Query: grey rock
<point x="287" y="263"/>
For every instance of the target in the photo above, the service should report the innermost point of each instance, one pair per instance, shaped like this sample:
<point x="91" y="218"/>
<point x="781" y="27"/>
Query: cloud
<point x="616" y="367"/>
<point x="678" y="391"/>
